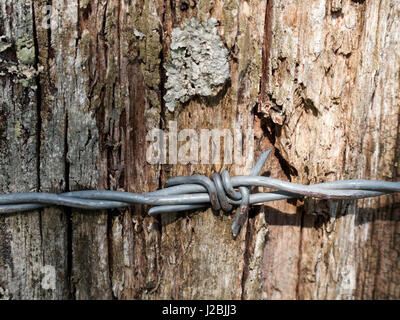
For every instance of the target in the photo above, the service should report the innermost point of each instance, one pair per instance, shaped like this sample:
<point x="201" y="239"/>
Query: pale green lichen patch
<point x="199" y="64"/>
<point x="23" y="70"/>
<point x="25" y="51"/>
<point x="24" y="74"/>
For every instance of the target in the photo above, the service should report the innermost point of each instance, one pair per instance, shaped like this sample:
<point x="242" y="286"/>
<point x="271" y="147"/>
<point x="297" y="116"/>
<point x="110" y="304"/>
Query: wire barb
<point x="197" y="191"/>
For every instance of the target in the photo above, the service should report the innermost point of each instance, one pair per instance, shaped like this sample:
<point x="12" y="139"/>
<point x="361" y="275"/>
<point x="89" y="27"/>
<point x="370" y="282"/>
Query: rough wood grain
<point x="318" y="80"/>
<point x="337" y="98"/>
<point x="21" y="251"/>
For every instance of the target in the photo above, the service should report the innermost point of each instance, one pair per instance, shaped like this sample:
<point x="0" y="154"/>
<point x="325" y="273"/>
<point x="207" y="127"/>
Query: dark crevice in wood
<point x="50" y="50"/>
<point x="38" y="117"/>
<point x="249" y="243"/>
<point x="162" y="122"/>
<point x="65" y="154"/>
<point x="162" y="92"/>
<point x="119" y="40"/>
<point x="110" y="251"/>
<point x="71" y="289"/>
<point x="38" y="100"/>
<point x="250" y="228"/>
<point x="78" y="24"/>
<point x="103" y="23"/>
<point x="68" y="213"/>
<point x="248" y="251"/>
<point x="110" y="161"/>
<point x="396" y="164"/>
<point x="266" y="52"/>
<point x="300" y="211"/>
<point x="163" y="73"/>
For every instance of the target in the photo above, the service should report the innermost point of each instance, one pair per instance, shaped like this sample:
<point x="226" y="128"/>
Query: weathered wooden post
<point x="82" y="85"/>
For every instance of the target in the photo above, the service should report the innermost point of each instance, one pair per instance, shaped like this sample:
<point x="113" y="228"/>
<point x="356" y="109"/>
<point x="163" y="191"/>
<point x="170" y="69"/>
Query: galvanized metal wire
<point x="197" y="191"/>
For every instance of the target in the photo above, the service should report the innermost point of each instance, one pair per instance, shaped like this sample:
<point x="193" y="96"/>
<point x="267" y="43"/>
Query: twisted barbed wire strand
<point x="197" y="191"/>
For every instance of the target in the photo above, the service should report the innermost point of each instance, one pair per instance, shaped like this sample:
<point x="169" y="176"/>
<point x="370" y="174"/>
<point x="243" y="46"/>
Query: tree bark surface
<point x="318" y="80"/>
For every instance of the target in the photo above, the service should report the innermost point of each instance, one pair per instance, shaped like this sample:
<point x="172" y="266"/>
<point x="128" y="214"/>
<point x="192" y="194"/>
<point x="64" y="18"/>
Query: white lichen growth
<point x="198" y="66"/>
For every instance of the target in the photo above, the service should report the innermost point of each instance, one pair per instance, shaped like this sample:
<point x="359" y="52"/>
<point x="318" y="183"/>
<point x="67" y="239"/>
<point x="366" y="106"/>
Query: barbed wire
<point x="197" y="191"/>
